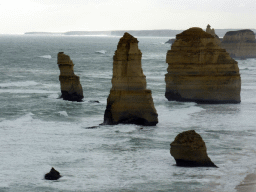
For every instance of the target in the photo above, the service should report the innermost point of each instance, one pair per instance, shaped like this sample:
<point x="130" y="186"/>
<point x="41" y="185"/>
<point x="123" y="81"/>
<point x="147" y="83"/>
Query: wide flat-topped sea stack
<point x="240" y="44"/>
<point x="71" y="88"/>
<point x="129" y="101"/>
<point x="199" y="70"/>
<point x="189" y="150"/>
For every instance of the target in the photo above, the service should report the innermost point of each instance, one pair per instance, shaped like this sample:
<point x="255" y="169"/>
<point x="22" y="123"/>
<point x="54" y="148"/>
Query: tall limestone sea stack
<point x="129" y="102"/>
<point x="199" y="70"/>
<point x="71" y="88"/>
<point x="240" y="44"/>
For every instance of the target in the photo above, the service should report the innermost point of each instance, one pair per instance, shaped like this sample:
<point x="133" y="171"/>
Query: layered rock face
<point x="71" y="88"/>
<point x="240" y="44"/>
<point x="189" y="150"/>
<point x="201" y="71"/>
<point x="129" y="101"/>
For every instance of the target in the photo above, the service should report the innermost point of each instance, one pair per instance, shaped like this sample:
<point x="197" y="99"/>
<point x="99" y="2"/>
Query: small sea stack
<point x="199" y="70"/>
<point x="129" y="102"/>
<point x="71" y="88"/>
<point x="189" y="150"/>
<point x="240" y="44"/>
<point x="212" y="32"/>
<point x="52" y="175"/>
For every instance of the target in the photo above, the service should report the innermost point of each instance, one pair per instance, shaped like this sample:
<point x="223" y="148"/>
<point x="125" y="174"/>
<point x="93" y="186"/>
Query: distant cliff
<point x="153" y="33"/>
<point x="240" y="44"/>
<point x="42" y="33"/>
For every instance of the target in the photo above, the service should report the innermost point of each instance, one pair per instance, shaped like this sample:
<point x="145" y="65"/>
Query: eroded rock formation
<point x="129" y="101"/>
<point x="189" y="150"/>
<point x="199" y="70"/>
<point x="71" y="88"/>
<point x="52" y="175"/>
<point x="212" y="32"/>
<point x="240" y="44"/>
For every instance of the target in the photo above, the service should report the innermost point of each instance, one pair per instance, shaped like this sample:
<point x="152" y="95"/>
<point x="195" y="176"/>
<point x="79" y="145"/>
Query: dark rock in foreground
<point x="52" y="175"/>
<point x="189" y="150"/>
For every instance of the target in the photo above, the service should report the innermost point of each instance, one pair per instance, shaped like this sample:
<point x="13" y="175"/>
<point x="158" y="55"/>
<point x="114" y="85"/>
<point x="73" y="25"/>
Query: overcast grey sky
<point x="19" y="16"/>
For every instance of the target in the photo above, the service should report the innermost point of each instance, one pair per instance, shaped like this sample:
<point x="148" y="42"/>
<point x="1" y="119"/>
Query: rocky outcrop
<point x="52" y="175"/>
<point x="129" y="101"/>
<point x="170" y="41"/>
<point x="212" y="32"/>
<point x="240" y="44"/>
<point x="71" y="88"/>
<point x="199" y="70"/>
<point x="189" y="150"/>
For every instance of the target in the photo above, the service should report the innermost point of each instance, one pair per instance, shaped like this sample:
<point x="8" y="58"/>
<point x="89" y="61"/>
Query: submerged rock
<point x="189" y="150"/>
<point x="199" y="70"/>
<point x="129" y="101"/>
<point x="52" y="175"/>
<point x="240" y="44"/>
<point x="71" y="88"/>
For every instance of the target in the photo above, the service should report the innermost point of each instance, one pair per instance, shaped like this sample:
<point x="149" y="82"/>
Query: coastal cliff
<point x="129" y="101"/>
<point x="71" y="88"/>
<point x="199" y="70"/>
<point x="240" y="44"/>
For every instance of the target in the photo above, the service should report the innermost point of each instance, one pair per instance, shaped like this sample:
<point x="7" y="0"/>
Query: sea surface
<point x="39" y="131"/>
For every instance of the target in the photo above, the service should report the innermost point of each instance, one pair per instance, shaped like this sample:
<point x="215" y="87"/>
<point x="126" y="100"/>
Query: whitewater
<point x="39" y="131"/>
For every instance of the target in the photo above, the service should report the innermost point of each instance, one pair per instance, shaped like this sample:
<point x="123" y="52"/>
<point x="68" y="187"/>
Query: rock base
<point x="52" y="175"/>
<point x="71" y="96"/>
<point x="130" y="107"/>
<point x="186" y="163"/>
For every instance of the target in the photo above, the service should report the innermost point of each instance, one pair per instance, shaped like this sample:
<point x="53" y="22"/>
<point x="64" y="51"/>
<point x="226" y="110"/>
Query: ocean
<point x="39" y="131"/>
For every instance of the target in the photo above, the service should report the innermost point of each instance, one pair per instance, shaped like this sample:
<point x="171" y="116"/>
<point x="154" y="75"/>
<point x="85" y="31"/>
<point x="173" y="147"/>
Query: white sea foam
<point x="101" y="51"/>
<point x="46" y="56"/>
<point x="63" y="113"/>
<point x="18" y="84"/>
<point x="25" y="91"/>
<point x="54" y="96"/>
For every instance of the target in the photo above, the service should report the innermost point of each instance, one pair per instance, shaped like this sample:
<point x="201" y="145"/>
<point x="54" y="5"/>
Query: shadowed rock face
<point x="52" y="175"/>
<point x="129" y="101"/>
<point x="71" y="88"/>
<point x="240" y="44"/>
<point x="189" y="150"/>
<point x="199" y="70"/>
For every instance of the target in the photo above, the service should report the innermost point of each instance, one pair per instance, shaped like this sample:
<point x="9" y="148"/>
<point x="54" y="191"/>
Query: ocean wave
<point x="63" y="113"/>
<point x="18" y="84"/>
<point x="101" y="52"/>
<point x="46" y="56"/>
<point x="28" y="91"/>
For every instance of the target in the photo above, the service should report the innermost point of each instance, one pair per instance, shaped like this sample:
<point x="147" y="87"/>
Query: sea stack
<point x="71" y="88"/>
<point x="240" y="44"/>
<point x="52" y="175"/>
<point x="129" y="102"/>
<point x="199" y="70"/>
<point x="189" y="150"/>
<point x="212" y="32"/>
